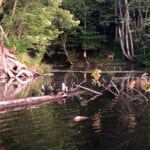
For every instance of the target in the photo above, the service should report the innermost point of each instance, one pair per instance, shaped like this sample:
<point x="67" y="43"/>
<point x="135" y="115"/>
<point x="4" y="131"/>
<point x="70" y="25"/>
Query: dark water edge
<point x="51" y="127"/>
<point x="112" y="124"/>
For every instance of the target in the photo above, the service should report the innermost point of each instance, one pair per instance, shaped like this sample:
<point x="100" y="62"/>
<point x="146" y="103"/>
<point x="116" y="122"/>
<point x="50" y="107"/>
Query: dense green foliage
<point x="31" y="25"/>
<point x="46" y="27"/>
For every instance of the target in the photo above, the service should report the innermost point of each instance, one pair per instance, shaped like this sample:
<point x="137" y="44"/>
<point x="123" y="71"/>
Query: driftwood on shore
<point x="10" y="67"/>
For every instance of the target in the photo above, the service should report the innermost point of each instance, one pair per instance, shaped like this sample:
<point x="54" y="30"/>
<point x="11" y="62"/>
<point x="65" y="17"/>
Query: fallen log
<point x="33" y="102"/>
<point x="85" y="88"/>
<point x="18" y="104"/>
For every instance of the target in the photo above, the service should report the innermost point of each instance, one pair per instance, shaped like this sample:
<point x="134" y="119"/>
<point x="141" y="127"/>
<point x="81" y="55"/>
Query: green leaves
<point x="96" y="74"/>
<point x="64" y="20"/>
<point x="37" y="23"/>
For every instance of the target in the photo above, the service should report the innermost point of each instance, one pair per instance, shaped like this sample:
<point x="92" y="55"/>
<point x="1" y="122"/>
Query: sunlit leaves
<point x="37" y="23"/>
<point x="132" y="84"/>
<point x="145" y="85"/>
<point x="96" y="74"/>
<point x="64" y="19"/>
<point x="148" y="90"/>
<point x="142" y="82"/>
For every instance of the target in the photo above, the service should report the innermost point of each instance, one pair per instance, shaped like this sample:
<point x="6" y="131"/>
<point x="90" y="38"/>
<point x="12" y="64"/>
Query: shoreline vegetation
<point x="11" y="67"/>
<point x="64" y="34"/>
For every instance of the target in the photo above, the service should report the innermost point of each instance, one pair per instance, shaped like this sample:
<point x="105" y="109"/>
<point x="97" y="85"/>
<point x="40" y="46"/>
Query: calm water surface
<point x="112" y="124"/>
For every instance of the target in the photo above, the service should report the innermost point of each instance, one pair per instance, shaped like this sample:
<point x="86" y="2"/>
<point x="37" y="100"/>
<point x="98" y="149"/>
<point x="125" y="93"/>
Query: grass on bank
<point x="33" y="63"/>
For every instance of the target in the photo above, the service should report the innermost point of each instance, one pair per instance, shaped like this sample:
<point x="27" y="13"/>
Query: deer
<point x="111" y="56"/>
<point x="13" y="50"/>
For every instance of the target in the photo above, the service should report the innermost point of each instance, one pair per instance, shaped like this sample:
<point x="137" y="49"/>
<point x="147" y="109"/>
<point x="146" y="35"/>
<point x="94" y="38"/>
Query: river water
<point x="111" y="124"/>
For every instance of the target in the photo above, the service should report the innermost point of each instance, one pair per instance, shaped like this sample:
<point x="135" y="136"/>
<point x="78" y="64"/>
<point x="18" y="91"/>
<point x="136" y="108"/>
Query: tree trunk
<point x="64" y="41"/>
<point x="12" y="15"/>
<point x="125" y="34"/>
<point x="85" y="32"/>
<point x="131" y="50"/>
<point x="116" y="22"/>
<point x="14" y="8"/>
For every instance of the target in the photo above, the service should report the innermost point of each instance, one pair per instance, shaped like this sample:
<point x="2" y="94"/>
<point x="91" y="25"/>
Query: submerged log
<point x="18" y="104"/>
<point x="32" y="102"/>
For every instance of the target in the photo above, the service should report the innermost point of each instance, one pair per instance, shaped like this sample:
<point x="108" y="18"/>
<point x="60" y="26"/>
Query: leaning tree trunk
<point x="85" y="28"/>
<point x="14" y="8"/>
<point x="124" y="30"/>
<point x="64" y="41"/>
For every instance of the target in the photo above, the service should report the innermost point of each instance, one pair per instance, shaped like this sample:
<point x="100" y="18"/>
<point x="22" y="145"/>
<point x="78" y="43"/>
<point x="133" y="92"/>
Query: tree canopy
<point x="44" y="27"/>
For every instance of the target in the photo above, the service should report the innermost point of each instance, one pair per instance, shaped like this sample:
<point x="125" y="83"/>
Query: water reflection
<point x="52" y="127"/>
<point x="112" y="124"/>
<point x="96" y="125"/>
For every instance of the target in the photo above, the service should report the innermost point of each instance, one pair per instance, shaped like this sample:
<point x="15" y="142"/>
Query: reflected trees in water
<point x="125" y="87"/>
<point x="112" y="116"/>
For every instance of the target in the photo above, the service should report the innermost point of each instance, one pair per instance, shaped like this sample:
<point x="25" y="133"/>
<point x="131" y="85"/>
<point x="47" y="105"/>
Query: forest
<point x="94" y="31"/>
